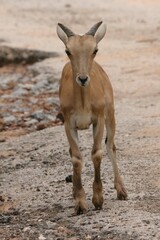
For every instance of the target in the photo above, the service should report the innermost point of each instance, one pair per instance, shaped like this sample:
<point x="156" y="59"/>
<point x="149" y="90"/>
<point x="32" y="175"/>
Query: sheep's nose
<point x="83" y="79"/>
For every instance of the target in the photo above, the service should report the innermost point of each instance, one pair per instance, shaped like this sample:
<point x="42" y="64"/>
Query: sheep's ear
<point x="64" y="33"/>
<point x="100" y="33"/>
<point x="97" y="31"/>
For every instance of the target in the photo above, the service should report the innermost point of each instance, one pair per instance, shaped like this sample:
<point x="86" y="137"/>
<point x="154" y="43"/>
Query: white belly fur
<point x="81" y="121"/>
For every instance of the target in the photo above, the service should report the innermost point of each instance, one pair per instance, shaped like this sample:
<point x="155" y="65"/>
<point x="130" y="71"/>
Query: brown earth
<point x="35" y="201"/>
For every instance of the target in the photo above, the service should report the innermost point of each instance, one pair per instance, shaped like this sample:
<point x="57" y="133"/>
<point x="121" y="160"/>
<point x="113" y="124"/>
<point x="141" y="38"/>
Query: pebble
<point x="31" y="122"/>
<point x="39" y="115"/>
<point x="9" y="119"/>
<point x="5" y="219"/>
<point x="26" y="229"/>
<point x="41" y="237"/>
<point x="19" y="92"/>
<point x="51" y="225"/>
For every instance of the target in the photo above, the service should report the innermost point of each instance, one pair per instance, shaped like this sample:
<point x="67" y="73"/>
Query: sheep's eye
<point x="95" y="51"/>
<point x="68" y="52"/>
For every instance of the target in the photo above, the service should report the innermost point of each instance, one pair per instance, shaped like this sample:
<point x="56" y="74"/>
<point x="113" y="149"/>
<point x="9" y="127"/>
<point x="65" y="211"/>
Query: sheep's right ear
<point x="61" y="34"/>
<point x="64" y="33"/>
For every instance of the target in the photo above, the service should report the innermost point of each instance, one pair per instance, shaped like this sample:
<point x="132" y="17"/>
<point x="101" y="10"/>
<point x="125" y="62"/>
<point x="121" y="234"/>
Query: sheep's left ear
<point x="100" y="33"/>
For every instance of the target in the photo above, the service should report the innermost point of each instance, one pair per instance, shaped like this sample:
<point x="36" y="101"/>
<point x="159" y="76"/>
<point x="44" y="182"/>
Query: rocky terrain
<point x="35" y="200"/>
<point x="29" y="99"/>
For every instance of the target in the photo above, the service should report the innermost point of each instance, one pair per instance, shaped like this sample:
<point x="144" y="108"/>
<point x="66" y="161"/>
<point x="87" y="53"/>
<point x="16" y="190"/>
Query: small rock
<point x="4" y="219"/>
<point x="49" y="117"/>
<point x="38" y="189"/>
<point x="9" y="119"/>
<point x="41" y="237"/>
<point x="19" y="166"/>
<point x="69" y="178"/>
<point x="146" y="221"/>
<point x="51" y="224"/>
<point x="88" y="237"/>
<point x="19" y="92"/>
<point x="42" y="125"/>
<point x="28" y="86"/>
<point x="26" y="229"/>
<point x="41" y="84"/>
<point x="53" y="101"/>
<point x="31" y="122"/>
<point x="39" y="115"/>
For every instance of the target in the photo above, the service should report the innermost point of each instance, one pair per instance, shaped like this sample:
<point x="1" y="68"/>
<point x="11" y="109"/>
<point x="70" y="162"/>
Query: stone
<point x="31" y="122"/>
<point x="9" y="119"/>
<point x="39" y="115"/>
<point x="19" y="92"/>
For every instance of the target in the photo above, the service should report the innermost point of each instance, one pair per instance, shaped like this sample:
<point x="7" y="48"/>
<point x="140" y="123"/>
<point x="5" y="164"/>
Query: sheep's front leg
<point x="98" y="128"/>
<point x="76" y="158"/>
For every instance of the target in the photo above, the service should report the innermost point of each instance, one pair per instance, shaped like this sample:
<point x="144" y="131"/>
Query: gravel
<point x="38" y="201"/>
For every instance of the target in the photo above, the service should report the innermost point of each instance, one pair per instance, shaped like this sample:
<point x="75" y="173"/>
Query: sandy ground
<point x="36" y="202"/>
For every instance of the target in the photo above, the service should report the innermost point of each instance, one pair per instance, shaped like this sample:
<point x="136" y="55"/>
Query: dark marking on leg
<point x="114" y="148"/>
<point x="70" y="152"/>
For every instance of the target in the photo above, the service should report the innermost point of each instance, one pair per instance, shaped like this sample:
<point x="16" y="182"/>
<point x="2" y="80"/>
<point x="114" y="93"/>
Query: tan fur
<point x="85" y="105"/>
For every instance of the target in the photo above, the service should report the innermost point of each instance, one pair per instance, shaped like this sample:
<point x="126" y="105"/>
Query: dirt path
<point x="35" y="201"/>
